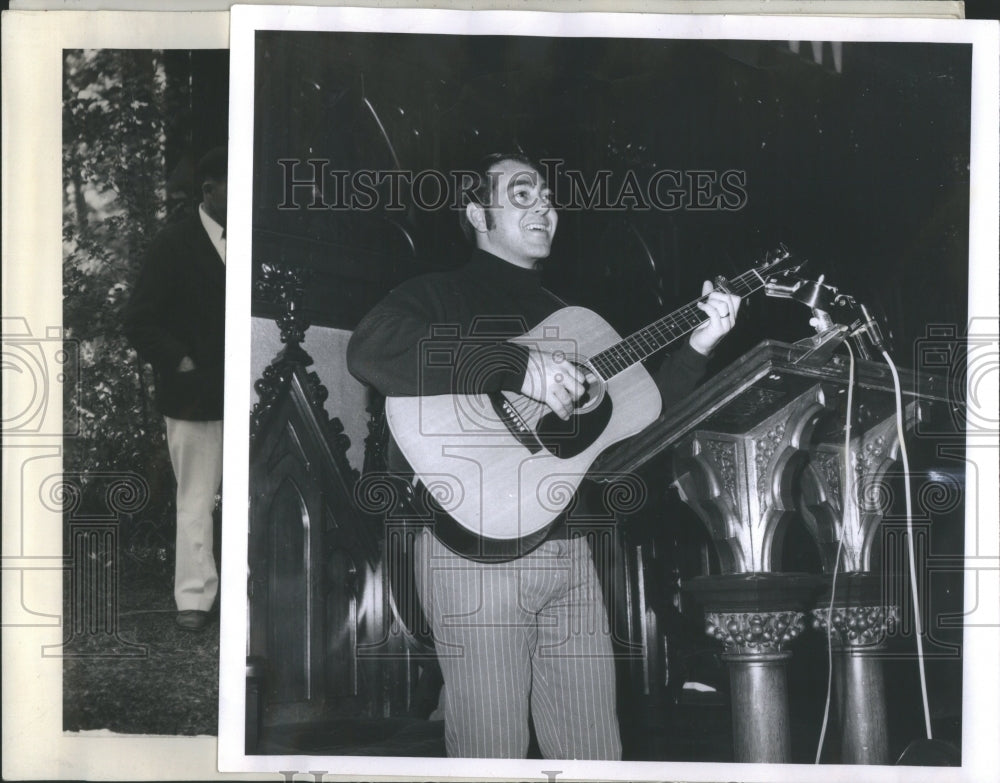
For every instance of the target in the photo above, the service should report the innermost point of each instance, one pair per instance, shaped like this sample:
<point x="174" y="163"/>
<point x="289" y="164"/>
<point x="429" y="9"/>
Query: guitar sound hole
<point x="592" y="397"/>
<point x="566" y="439"/>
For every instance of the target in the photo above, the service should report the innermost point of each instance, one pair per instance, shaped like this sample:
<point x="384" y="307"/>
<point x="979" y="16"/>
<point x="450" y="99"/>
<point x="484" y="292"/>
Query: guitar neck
<point x="658" y="335"/>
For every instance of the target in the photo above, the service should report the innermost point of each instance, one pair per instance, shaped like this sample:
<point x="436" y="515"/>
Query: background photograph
<point x="135" y="122"/>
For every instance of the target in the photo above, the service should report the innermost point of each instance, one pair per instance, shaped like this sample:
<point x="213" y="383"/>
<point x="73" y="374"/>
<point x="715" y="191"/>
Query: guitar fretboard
<point x="644" y="343"/>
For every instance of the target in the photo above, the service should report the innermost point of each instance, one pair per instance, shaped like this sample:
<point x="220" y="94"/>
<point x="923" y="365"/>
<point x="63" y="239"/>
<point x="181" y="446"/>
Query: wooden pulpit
<point x="761" y="444"/>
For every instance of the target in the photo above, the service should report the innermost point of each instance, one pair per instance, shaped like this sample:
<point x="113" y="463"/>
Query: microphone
<point x="874" y="333"/>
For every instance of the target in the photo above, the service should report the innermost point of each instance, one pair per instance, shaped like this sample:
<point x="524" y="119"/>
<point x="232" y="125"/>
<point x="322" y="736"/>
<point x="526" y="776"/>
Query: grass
<point x="148" y="678"/>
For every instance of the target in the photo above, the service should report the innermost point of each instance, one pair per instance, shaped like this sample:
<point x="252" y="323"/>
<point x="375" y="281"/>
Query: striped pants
<point x="527" y="636"/>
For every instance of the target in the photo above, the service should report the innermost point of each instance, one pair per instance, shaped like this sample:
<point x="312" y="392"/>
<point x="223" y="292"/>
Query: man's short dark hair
<point x="482" y="189"/>
<point x="213" y="166"/>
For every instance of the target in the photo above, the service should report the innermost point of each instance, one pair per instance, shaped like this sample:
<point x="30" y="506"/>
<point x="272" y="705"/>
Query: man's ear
<point x="476" y="215"/>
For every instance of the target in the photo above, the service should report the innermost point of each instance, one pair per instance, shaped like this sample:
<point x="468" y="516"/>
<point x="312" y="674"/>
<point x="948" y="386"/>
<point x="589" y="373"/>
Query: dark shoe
<point x="192" y="619"/>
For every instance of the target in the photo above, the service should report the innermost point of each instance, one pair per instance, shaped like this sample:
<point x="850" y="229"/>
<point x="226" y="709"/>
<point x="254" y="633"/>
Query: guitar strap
<point x="555" y="298"/>
<point x="402" y="476"/>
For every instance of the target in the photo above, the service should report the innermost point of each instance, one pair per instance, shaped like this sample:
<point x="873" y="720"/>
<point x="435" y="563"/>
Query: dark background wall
<point x="862" y="169"/>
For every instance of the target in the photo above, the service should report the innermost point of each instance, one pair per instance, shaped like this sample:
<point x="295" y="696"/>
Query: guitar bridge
<point x="514" y="423"/>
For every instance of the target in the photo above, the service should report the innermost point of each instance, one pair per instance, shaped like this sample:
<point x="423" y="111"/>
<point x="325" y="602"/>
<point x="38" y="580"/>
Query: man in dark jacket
<point x="176" y="321"/>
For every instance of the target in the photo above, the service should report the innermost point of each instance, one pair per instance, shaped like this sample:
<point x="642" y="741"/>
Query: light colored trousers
<point x="196" y="455"/>
<point x="527" y="636"/>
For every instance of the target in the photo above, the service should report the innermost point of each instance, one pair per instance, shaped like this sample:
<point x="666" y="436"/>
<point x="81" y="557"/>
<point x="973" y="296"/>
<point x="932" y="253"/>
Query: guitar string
<point x="629" y="351"/>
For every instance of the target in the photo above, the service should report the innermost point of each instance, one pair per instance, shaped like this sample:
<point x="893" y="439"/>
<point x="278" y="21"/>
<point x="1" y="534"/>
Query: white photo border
<point x="979" y="750"/>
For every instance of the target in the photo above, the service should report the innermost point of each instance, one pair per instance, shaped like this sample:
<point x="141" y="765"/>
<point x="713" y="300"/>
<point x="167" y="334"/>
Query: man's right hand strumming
<point x="551" y="378"/>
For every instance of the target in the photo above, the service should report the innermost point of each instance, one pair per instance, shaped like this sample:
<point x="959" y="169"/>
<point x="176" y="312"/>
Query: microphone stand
<point x="820" y="298"/>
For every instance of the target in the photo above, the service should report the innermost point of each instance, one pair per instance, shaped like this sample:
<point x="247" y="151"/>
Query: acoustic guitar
<point x="498" y="469"/>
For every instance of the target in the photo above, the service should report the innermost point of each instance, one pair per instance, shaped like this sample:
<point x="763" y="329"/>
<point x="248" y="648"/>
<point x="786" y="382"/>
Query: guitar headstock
<point x="779" y="261"/>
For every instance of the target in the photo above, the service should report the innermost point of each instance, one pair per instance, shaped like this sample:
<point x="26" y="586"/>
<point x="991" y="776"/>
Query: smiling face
<point x="522" y="222"/>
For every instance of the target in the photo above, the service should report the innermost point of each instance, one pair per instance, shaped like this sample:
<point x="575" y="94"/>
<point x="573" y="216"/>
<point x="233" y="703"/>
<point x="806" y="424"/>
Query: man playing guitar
<point x="514" y="638"/>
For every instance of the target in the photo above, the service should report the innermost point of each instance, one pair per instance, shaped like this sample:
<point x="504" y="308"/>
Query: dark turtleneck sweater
<point x="447" y="333"/>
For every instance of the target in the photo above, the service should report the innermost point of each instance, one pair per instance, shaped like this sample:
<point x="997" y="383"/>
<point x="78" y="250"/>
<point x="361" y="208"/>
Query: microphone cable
<point x="900" y="431"/>
<point x="911" y="554"/>
<point x="848" y="498"/>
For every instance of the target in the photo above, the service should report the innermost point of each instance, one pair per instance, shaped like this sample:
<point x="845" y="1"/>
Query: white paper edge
<point x="925" y="8"/>
<point x="33" y="744"/>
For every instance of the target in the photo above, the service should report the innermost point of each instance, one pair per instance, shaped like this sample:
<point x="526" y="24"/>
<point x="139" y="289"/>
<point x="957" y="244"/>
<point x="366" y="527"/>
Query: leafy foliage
<point x="114" y="137"/>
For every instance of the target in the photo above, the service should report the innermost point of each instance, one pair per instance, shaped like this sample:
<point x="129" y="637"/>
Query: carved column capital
<point x="857" y="626"/>
<point x="755" y="633"/>
<point x="740" y="484"/>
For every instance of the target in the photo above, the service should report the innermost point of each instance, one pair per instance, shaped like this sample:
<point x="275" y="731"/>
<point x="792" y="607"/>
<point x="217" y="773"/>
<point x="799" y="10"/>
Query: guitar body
<point x="502" y="469"/>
